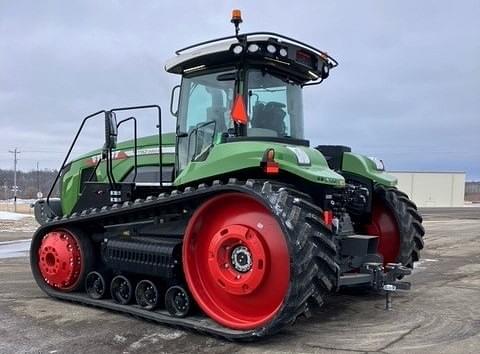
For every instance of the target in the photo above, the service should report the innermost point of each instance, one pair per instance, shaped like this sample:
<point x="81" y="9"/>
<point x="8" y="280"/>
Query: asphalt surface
<point x="439" y="315"/>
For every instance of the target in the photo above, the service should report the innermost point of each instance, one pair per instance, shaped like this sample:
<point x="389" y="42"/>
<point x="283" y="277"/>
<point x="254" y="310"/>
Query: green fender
<point x="234" y="156"/>
<point x="363" y="166"/>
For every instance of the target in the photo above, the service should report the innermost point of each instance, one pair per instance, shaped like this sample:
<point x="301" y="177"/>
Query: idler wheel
<point x="147" y="295"/>
<point x="96" y="285"/>
<point x="121" y="290"/>
<point x="177" y="301"/>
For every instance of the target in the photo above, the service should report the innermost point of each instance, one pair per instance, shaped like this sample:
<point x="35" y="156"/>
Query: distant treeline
<point x="29" y="183"/>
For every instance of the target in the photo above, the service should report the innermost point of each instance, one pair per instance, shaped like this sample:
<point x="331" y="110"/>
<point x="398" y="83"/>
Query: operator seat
<point x="217" y="113"/>
<point x="270" y="116"/>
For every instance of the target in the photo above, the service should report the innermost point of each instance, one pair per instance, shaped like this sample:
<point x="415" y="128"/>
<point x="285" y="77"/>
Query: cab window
<point x="274" y="106"/>
<point x="205" y="98"/>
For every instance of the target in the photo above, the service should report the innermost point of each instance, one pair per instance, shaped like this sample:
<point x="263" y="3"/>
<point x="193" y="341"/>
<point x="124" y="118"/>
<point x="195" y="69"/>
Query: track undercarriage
<point x="282" y="260"/>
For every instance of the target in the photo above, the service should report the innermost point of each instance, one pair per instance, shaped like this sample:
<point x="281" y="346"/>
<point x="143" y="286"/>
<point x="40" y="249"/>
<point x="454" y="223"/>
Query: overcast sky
<point x="407" y="89"/>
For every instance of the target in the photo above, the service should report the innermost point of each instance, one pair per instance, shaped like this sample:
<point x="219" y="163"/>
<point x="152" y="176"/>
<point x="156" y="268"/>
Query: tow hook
<point x="385" y="278"/>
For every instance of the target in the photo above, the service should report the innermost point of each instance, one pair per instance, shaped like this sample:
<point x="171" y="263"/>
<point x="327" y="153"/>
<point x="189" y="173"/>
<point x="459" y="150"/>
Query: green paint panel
<point x="147" y="149"/>
<point x="234" y="156"/>
<point x="363" y="166"/>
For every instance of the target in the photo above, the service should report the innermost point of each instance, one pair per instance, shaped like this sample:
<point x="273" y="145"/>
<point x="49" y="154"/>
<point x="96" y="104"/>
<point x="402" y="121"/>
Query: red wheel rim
<point x="384" y="225"/>
<point x="60" y="260"/>
<point x="236" y="261"/>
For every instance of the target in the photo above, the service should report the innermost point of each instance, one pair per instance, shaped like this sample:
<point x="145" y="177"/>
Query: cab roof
<point x="290" y="56"/>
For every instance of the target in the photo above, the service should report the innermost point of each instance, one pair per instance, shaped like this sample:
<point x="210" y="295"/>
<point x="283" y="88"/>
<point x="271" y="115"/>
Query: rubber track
<point x="409" y="222"/>
<point x="314" y="272"/>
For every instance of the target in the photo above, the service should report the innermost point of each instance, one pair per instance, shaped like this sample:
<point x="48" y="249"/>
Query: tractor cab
<point x="243" y="87"/>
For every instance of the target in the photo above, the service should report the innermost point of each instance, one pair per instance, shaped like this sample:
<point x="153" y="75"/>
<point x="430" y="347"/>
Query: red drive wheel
<point x="384" y="225"/>
<point x="61" y="260"/>
<point x="236" y="261"/>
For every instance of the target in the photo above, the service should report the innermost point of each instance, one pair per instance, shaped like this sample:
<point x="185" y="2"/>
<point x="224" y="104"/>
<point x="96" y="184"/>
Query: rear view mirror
<point x="174" y="98"/>
<point x="111" y="131"/>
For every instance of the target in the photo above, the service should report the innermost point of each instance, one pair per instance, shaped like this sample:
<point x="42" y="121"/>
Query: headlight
<point x="237" y="49"/>
<point x="283" y="52"/>
<point x="271" y="49"/>
<point x="252" y="48"/>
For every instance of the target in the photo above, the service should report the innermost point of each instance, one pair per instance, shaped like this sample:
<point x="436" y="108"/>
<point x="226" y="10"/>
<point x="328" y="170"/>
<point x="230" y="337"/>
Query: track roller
<point x="147" y="295"/>
<point x="177" y="301"/>
<point x="121" y="290"/>
<point x="96" y="285"/>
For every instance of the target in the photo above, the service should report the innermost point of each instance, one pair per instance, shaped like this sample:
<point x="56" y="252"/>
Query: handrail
<point x="70" y="151"/>
<point x="159" y="126"/>
<point x="134" y="142"/>
<point x="109" y="157"/>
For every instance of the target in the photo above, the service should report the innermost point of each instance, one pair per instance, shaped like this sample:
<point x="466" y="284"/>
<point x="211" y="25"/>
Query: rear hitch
<point x="381" y="278"/>
<point x="386" y="279"/>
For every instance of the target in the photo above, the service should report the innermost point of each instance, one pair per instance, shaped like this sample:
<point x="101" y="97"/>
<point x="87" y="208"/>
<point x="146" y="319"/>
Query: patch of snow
<point x="154" y="338"/>
<point x="6" y="215"/>
<point x="19" y="201"/>
<point x="119" y="339"/>
<point x="14" y="249"/>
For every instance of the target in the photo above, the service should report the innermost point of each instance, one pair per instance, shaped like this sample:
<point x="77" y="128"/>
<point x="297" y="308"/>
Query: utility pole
<point x="39" y="192"/>
<point x="15" y="152"/>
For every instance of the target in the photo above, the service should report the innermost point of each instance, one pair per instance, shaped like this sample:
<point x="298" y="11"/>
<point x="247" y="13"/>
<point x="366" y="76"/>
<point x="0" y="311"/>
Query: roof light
<point x="283" y="52"/>
<point x="326" y="69"/>
<point x="239" y="112"/>
<point x="252" y="48"/>
<point x="236" y="16"/>
<point x="271" y="49"/>
<point x="238" y="49"/>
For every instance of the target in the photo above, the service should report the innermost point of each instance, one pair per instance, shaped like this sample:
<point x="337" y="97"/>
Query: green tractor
<point x="234" y="225"/>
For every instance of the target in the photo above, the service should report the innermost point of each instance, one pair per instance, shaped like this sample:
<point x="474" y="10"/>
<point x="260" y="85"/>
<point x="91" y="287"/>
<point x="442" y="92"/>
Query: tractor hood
<point x="222" y="159"/>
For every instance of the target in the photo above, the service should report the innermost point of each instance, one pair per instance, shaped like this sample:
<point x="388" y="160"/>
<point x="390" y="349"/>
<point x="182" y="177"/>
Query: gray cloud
<point x="407" y="88"/>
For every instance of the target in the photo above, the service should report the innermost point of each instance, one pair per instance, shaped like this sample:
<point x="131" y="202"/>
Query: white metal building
<point x="433" y="189"/>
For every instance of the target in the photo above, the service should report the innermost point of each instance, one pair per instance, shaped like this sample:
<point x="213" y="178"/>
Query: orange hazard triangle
<point x="239" y="112"/>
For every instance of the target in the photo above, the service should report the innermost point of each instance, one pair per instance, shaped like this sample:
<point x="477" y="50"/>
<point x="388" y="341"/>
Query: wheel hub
<point x="181" y="301"/>
<point x="59" y="259"/>
<point x="241" y="259"/>
<point x="124" y="290"/>
<point x="150" y="294"/>
<point x="237" y="259"/>
<point x="98" y="285"/>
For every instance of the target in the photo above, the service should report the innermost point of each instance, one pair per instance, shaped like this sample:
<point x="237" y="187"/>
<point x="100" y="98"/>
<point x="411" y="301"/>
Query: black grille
<point x="157" y="257"/>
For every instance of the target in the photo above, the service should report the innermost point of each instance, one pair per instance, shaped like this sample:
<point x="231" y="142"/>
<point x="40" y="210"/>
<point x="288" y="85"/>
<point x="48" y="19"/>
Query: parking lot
<point x="439" y="315"/>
